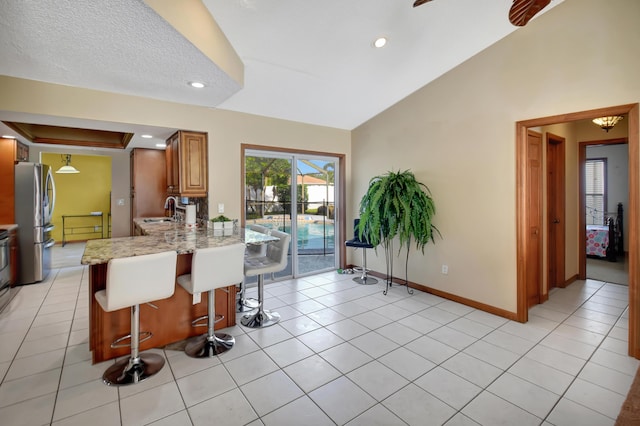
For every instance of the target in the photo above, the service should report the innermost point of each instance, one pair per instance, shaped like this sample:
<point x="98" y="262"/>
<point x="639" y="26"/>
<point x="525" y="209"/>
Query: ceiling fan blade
<point x="419" y="2"/>
<point x="523" y="10"/>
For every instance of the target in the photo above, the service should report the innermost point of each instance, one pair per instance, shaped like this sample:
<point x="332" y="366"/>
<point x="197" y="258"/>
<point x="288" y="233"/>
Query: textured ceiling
<point x="304" y="61"/>
<point x="120" y="46"/>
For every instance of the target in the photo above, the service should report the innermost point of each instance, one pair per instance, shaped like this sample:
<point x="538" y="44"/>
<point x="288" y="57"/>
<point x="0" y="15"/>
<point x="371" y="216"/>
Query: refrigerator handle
<point x="53" y="193"/>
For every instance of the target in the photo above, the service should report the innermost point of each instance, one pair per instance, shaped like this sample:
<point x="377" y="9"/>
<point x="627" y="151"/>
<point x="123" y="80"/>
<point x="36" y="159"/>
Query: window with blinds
<point x="596" y="190"/>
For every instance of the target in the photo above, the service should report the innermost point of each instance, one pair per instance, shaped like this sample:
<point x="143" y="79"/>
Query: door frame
<point x="522" y="192"/>
<point x="535" y="219"/>
<point x="582" y="207"/>
<point x="340" y="215"/>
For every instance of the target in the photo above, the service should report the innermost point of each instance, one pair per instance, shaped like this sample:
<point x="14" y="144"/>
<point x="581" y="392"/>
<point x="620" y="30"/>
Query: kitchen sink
<point x="157" y="220"/>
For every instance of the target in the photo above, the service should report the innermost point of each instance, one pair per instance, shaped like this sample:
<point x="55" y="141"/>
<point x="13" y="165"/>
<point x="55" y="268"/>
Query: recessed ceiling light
<point x="146" y="136"/>
<point x="161" y="145"/>
<point x="196" y="84"/>
<point x="380" y="42"/>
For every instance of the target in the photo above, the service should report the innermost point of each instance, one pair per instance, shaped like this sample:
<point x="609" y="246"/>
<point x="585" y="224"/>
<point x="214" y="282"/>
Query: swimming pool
<point x="312" y="236"/>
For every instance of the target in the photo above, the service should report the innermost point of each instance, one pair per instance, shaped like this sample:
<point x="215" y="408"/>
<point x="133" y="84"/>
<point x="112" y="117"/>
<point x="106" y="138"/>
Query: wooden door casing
<point x="534" y="217"/>
<point x="522" y="193"/>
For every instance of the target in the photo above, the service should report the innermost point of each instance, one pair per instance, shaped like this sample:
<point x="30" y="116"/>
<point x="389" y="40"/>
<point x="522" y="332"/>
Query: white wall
<point x="457" y="135"/>
<point x="227" y="130"/>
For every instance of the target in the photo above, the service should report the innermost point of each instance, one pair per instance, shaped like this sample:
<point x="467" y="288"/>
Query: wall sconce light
<point x="607" y="123"/>
<point x="67" y="168"/>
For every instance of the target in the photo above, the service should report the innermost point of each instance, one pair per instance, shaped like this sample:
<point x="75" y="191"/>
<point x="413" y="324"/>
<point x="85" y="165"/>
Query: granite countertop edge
<point x="163" y="236"/>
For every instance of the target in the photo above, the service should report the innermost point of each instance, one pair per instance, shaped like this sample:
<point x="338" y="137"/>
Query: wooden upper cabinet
<point x="186" y="158"/>
<point x="14" y="150"/>
<point x="22" y="152"/>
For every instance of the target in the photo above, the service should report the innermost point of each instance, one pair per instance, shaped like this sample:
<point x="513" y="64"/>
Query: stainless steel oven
<point x="5" y="269"/>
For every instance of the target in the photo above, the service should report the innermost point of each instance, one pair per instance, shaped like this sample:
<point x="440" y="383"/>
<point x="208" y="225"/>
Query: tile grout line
<point x="486" y="388"/>
<point x="575" y="378"/>
<point x="349" y="341"/>
<point x="64" y="357"/>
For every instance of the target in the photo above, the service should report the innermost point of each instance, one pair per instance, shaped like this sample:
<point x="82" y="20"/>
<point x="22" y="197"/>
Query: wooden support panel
<point x="170" y="323"/>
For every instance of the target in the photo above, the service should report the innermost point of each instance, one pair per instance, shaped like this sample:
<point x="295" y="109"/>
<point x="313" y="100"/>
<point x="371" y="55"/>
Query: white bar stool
<point x="275" y="260"/>
<point x="212" y="268"/>
<point x="130" y="282"/>
<point x="244" y="304"/>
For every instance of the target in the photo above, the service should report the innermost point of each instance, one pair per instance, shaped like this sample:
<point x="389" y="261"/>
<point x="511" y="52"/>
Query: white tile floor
<point x="343" y="354"/>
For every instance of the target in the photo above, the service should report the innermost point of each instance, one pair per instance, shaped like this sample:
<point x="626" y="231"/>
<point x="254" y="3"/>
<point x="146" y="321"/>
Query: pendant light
<point x="67" y="168"/>
<point x="607" y="123"/>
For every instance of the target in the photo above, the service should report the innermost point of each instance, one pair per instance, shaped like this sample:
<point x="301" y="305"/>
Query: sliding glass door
<point x="295" y="194"/>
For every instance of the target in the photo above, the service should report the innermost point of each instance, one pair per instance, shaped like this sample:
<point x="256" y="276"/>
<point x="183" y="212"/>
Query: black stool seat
<point x="356" y="242"/>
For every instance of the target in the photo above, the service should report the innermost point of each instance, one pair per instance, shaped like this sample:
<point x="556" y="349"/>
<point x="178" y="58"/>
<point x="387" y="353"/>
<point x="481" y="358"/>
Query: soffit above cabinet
<point x="58" y="135"/>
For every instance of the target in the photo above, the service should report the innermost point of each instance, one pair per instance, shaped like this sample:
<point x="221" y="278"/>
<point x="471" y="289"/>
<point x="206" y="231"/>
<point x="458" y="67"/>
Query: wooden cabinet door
<point x="175" y="163"/>
<point x="148" y="183"/>
<point x="186" y="159"/>
<point x="22" y="152"/>
<point x="7" y="190"/>
<point x="172" y="164"/>
<point x="193" y="164"/>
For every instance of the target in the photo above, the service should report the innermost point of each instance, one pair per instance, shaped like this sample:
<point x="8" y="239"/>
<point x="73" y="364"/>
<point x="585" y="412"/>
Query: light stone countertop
<point x="165" y="236"/>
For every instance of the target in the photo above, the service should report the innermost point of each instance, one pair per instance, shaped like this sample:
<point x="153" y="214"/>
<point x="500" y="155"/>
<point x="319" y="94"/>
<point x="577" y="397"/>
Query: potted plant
<point x="222" y="223"/>
<point x="397" y="205"/>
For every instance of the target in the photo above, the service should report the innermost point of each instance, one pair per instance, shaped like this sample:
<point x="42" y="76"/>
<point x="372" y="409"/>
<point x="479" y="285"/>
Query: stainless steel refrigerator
<point x="35" y="196"/>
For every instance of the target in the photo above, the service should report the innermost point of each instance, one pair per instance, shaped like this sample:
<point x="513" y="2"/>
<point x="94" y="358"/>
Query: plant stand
<point x="388" y="248"/>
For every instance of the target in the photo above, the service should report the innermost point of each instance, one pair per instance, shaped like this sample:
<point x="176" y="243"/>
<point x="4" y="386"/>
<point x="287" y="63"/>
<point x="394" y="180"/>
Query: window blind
<point x="595" y="191"/>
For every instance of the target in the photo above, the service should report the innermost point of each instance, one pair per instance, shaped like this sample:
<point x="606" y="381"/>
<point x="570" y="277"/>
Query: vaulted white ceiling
<point x="311" y="62"/>
<point x="314" y="61"/>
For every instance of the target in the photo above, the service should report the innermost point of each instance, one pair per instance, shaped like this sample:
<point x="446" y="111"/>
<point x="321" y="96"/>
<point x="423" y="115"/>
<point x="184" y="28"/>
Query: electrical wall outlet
<point x="445" y="269"/>
<point x="121" y="201"/>
<point x="220" y="207"/>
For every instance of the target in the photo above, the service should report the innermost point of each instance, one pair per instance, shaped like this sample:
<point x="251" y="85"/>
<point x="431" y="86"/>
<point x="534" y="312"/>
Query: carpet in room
<point x="609" y="272"/>
<point x="630" y="411"/>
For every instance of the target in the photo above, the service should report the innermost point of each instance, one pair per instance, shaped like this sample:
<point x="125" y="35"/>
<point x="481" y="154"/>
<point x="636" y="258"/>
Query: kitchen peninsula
<point x="171" y="321"/>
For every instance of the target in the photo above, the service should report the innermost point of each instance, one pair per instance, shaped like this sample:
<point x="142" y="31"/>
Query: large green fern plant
<point x="397" y="205"/>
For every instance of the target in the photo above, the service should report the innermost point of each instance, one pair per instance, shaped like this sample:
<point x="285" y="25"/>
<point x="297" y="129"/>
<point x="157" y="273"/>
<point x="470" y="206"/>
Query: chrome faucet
<point x="176" y="206"/>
